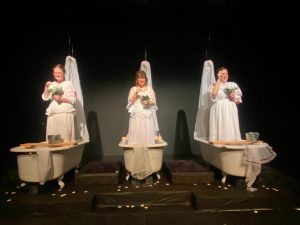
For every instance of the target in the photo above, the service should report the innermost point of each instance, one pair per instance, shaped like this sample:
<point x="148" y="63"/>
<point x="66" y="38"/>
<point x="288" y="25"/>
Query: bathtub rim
<point x="161" y="144"/>
<point x="222" y="146"/>
<point x="20" y="149"/>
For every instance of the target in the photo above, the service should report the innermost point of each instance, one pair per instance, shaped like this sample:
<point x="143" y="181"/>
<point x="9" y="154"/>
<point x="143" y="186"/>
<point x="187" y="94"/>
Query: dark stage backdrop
<point x="109" y="48"/>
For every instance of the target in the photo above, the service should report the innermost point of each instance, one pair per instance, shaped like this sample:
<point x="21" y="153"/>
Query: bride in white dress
<point x="224" y="120"/>
<point x="61" y="111"/>
<point x="141" y="106"/>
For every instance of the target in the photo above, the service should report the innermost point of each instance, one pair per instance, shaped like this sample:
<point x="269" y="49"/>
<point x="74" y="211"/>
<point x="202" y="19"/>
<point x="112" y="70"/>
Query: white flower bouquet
<point x="145" y="98"/>
<point x="232" y="95"/>
<point x="145" y="95"/>
<point x="229" y="90"/>
<point x="55" y="90"/>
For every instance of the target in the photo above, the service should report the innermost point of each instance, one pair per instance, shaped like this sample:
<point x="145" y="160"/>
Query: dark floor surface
<point x="153" y="201"/>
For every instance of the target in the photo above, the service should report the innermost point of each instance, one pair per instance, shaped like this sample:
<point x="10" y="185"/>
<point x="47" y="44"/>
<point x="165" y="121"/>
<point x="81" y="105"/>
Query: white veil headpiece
<point x="145" y="66"/>
<point x="202" y="120"/>
<point x="73" y="76"/>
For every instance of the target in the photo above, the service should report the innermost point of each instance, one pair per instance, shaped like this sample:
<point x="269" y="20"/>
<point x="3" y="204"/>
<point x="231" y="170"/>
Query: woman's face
<point x="223" y="75"/>
<point x="58" y="75"/>
<point x="141" y="81"/>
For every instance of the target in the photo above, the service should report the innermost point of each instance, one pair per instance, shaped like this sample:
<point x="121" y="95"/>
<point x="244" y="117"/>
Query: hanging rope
<point x="145" y="56"/>
<point x="207" y="52"/>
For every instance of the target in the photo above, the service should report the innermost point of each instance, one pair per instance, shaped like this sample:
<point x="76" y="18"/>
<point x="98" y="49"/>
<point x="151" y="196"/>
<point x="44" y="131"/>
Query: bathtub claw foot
<point x="251" y="189"/>
<point x="158" y="176"/>
<point x="127" y="176"/>
<point x="77" y="169"/>
<point x="61" y="183"/>
<point x="224" y="177"/>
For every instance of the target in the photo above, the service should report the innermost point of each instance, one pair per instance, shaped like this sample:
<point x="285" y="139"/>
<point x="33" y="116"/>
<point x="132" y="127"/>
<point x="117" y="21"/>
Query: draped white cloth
<point x="44" y="165"/>
<point x="145" y="66"/>
<point x="141" y="166"/>
<point x="73" y="76"/>
<point x="254" y="156"/>
<point x="202" y="120"/>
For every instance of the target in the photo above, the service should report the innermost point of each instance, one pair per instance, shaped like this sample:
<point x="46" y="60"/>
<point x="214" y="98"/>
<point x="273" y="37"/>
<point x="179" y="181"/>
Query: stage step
<point x="99" y="172"/>
<point x="188" y="172"/>
<point x="224" y="197"/>
<point x="137" y="202"/>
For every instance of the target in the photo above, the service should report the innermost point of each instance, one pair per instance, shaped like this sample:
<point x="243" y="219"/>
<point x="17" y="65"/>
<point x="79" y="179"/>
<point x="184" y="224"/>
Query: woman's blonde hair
<point x="142" y="74"/>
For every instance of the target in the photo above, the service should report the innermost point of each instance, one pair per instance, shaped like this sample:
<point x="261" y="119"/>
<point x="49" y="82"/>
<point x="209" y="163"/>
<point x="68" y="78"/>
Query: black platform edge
<point x="144" y="202"/>
<point x="100" y="173"/>
<point x="187" y="172"/>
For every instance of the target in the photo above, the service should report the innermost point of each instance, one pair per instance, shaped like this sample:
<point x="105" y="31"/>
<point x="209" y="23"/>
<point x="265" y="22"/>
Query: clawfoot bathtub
<point x="155" y="156"/>
<point x="227" y="158"/>
<point x="63" y="159"/>
<point x="237" y="158"/>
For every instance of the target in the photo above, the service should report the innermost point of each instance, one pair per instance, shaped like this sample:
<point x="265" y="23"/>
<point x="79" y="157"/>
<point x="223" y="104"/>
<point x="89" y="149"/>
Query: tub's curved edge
<point x="128" y="146"/>
<point x="20" y="149"/>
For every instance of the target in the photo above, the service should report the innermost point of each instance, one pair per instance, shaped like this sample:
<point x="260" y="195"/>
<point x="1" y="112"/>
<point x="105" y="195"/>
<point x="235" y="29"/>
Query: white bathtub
<point x="64" y="159"/>
<point x="155" y="156"/>
<point x="227" y="158"/>
<point x="238" y="158"/>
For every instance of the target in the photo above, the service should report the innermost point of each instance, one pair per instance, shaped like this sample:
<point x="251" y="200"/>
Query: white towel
<point x="44" y="164"/>
<point x="254" y="157"/>
<point x="141" y="162"/>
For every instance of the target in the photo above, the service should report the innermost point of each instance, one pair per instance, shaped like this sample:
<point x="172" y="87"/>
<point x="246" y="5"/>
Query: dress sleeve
<point x="238" y="94"/>
<point x="130" y="97"/>
<point x="46" y="97"/>
<point x="213" y="98"/>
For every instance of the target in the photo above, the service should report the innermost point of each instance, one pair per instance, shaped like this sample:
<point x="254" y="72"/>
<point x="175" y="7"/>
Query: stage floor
<point x="153" y="202"/>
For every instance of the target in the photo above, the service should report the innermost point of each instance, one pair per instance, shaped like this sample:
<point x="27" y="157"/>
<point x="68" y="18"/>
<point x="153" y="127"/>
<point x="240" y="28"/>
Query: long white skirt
<point x="141" y="130"/>
<point x="224" y="121"/>
<point x="63" y="124"/>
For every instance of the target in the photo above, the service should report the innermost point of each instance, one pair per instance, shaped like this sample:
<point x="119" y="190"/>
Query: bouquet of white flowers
<point x="145" y="98"/>
<point x="229" y="90"/>
<point x="55" y="90"/>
